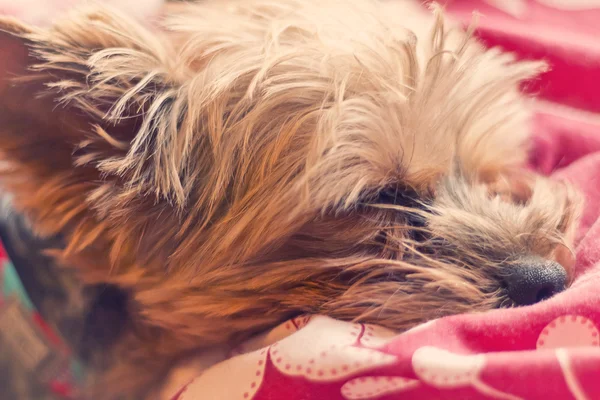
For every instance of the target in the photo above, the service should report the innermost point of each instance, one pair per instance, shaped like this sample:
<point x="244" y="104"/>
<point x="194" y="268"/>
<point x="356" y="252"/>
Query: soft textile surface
<point x="546" y="351"/>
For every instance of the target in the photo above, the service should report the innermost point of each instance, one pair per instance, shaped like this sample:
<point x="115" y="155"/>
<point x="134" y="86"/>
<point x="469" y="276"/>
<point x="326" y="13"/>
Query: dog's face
<point x="265" y="160"/>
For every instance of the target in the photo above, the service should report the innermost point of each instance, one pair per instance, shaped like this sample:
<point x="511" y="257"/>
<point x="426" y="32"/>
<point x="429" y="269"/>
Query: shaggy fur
<point x="260" y="159"/>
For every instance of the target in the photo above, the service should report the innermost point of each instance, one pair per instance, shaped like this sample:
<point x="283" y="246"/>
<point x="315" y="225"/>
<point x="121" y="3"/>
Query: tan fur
<point x="228" y="172"/>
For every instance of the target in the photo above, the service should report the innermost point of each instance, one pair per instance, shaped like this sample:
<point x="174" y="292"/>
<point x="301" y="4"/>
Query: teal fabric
<point x="12" y="286"/>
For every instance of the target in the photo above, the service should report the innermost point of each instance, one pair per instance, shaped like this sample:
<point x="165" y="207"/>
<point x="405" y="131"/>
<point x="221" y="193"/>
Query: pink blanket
<point x="546" y="351"/>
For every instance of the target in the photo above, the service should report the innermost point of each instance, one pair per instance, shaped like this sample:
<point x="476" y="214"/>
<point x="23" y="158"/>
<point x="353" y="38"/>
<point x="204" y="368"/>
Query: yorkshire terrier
<point x="249" y="161"/>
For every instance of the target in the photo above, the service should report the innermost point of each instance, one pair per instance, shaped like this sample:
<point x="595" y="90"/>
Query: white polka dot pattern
<point x="319" y="357"/>
<point x="318" y="349"/>
<point x="302" y="321"/>
<point x="443" y="369"/>
<point x="568" y="331"/>
<point x="376" y="336"/>
<point x="260" y="341"/>
<point x="216" y="382"/>
<point x="374" y="386"/>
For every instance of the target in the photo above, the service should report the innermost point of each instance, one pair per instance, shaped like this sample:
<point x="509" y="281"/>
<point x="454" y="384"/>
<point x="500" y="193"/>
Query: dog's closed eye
<point x="399" y="196"/>
<point x="411" y="204"/>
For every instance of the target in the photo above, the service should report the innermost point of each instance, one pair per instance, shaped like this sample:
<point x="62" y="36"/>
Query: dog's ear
<point x="88" y="111"/>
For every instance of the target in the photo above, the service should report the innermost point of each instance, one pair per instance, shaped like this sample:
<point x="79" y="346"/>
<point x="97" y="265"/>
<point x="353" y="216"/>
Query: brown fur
<point x="262" y="159"/>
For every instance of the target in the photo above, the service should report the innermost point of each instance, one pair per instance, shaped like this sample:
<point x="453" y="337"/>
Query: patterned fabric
<point x="484" y="357"/>
<point x="30" y="341"/>
<point x="546" y="351"/>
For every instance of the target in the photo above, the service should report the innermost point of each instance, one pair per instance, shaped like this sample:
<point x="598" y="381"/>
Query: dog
<point x="254" y="160"/>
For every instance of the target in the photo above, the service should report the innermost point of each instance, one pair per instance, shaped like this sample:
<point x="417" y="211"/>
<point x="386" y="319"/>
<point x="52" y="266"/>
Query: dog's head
<point x="258" y="161"/>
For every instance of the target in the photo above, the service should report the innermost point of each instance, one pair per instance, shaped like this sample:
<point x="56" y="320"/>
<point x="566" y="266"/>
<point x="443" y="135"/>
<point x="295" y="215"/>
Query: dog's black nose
<point x="534" y="279"/>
